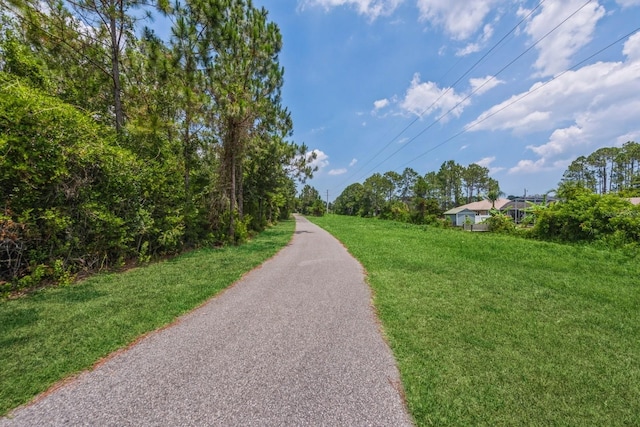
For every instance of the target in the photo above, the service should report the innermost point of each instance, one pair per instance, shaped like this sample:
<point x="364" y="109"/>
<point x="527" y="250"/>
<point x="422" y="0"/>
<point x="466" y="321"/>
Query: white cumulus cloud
<point x="353" y="162"/>
<point x="632" y="47"/>
<point x="321" y="160"/>
<point x="546" y="105"/>
<point x="484" y="84"/>
<point x="628" y="3"/>
<point x="372" y="9"/>
<point x="479" y="45"/>
<point x="379" y="104"/>
<point x="424" y="98"/>
<point x="486" y="162"/>
<point x="337" y="171"/>
<point x="460" y="18"/>
<point x="469" y="49"/>
<point x="529" y="166"/>
<point x="581" y="110"/>
<point x="556" y="50"/>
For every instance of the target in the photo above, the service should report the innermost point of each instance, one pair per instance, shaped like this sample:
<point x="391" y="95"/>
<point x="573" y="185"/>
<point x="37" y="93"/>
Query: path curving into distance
<point x="294" y="343"/>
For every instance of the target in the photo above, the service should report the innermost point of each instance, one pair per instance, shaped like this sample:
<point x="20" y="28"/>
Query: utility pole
<point x="327" y="201"/>
<point x="524" y="199"/>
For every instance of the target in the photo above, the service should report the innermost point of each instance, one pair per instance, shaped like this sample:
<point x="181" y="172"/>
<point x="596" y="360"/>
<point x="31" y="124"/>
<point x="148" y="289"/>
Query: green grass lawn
<point x="498" y="330"/>
<point x="57" y="332"/>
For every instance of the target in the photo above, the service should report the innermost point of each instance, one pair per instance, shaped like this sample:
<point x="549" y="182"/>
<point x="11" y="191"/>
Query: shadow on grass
<point x="78" y="294"/>
<point x="17" y="317"/>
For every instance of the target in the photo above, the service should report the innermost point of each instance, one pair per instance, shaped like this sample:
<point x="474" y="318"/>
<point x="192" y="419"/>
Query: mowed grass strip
<point x="54" y="333"/>
<point x="502" y="331"/>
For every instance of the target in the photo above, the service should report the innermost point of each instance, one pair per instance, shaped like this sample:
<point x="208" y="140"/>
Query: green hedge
<point x="590" y="217"/>
<point x="70" y="195"/>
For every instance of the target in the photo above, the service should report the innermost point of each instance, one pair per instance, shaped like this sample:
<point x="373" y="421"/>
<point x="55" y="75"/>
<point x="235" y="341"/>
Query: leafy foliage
<point x="608" y="169"/>
<point x="590" y="217"/>
<point x="499" y="222"/>
<point x="68" y="189"/>
<point x="309" y="202"/>
<point x="410" y="197"/>
<point x="114" y="147"/>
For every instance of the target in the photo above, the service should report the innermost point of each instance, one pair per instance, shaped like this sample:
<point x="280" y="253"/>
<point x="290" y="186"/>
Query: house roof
<point x="458" y="210"/>
<point x="485" y="205"/>
<point x="518" y="204"/>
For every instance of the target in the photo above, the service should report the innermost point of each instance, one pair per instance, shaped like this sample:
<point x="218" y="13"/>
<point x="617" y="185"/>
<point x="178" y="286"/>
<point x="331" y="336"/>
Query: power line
<point x="438" y="119"/>
<point x="419" y="116"/>
<point x="520" y="98"/>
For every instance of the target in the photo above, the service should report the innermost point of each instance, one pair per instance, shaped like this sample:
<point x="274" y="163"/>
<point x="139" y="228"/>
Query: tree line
<point x="411" y="197"/>
<point x="117" y="145"/>
<point x="591" y="204"/>
<point x="309" y="202"/>
<point x="594" y="201"/>
<point x="607" y="170"/>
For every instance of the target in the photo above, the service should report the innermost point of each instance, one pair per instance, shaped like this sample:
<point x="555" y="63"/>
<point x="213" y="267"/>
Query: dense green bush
<point x="590" y="217"/>
<point x="396" y="211"/>
<point x="68" y="192"/>
<point x="309" y="202"/>
<point x="500" y="222"/>
<point x="102" y="165"/>
<point x="425" y="211"/>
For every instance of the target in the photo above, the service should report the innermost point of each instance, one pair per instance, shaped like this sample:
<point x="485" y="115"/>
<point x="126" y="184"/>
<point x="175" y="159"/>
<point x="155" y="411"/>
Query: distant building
<point x="474" y="212"/>
<point x="460" y="216"/>
<point x="516" y="208"/>
<point x="634" y="200"/>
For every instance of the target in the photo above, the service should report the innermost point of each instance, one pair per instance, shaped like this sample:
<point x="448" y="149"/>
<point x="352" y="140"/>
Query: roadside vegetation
<point x="57" y="332"/>
<point x="419" y="199"/>
<point x="592" y="203"/>
<point x="490" y="329"/>
<point x="309" y="202"/>
<point x="117" y="146"/>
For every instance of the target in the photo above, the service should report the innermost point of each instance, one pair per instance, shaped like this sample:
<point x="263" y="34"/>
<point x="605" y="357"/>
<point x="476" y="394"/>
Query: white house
<point x="458" y="216"/>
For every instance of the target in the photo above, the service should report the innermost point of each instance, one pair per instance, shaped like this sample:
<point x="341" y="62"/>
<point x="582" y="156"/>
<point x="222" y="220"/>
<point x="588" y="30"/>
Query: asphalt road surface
<point x="294" y="343"/>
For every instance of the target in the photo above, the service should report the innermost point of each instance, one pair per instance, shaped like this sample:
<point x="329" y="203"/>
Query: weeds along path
<point x="295" y="342"/>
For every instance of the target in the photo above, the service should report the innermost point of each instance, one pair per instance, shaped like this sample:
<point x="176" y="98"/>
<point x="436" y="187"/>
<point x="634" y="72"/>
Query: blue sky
<point x="360" y="72"/>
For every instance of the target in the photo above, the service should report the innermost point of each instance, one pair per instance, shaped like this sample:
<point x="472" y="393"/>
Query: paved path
<point x="294" y="343"/>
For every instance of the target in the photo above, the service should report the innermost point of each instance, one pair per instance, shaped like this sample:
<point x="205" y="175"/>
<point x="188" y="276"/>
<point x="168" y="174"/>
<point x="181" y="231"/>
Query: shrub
<point x="590" y="217"/>
<point x="70" y="193"/>
<point x="499" y="222"/>
<point x="317" y="208"/>
<point x="13" y="257"/>
<point x="396" y="211"/>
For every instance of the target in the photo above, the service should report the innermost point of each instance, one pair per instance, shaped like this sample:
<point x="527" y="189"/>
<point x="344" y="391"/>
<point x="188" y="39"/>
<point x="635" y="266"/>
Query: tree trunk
<point x="115" y="70"/>
<point x="186" y="151"/>
<point x="240" y="184"/>
<point x="232" y="194"/>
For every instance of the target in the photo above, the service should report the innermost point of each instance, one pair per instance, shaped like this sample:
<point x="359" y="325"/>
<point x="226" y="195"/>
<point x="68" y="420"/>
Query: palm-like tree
<point x="493" y="195"/>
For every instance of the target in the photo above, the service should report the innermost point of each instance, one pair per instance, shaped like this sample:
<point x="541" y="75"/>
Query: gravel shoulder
<point x="295" y="342"/>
